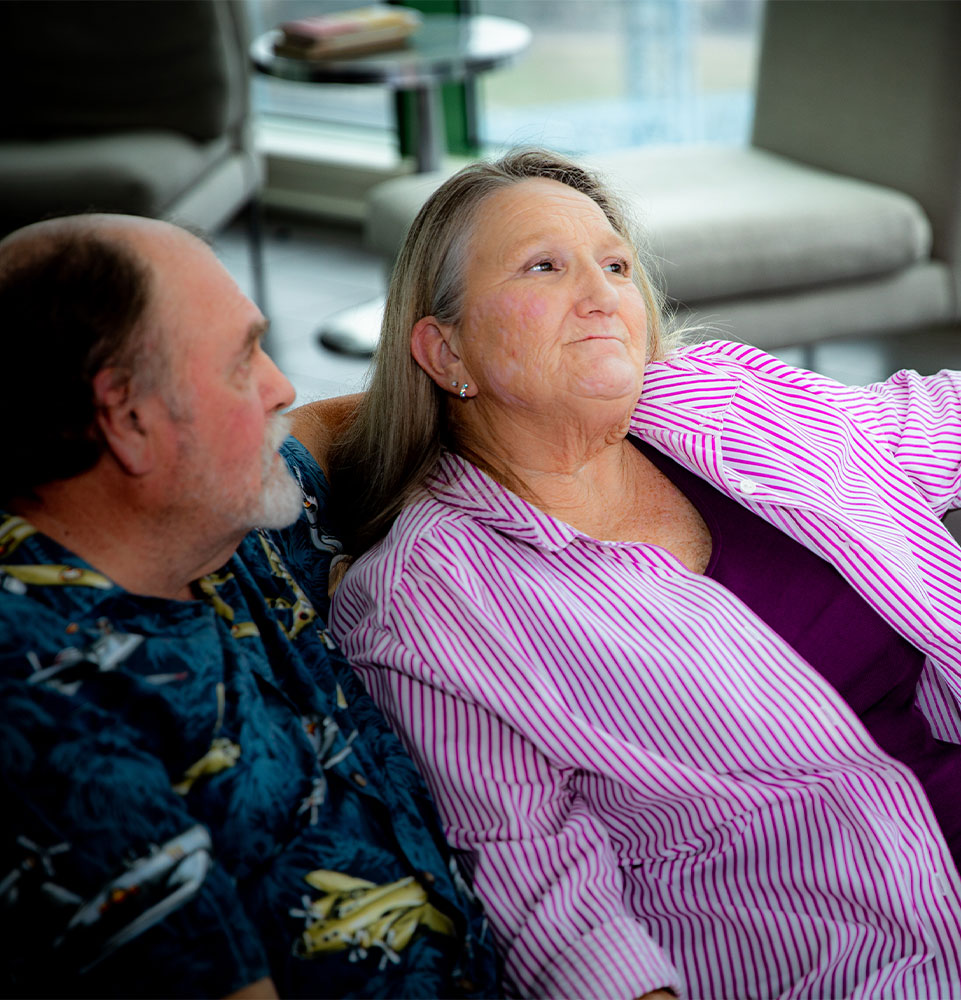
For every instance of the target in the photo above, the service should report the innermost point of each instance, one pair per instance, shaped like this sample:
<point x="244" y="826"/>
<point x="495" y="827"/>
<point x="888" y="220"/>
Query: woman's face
<point x="550" y="310"/>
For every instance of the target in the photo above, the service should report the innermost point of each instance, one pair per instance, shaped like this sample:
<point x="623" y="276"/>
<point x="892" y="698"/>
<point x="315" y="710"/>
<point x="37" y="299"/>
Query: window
<point x="600" y="74"/>
<point x="604" y="74"/>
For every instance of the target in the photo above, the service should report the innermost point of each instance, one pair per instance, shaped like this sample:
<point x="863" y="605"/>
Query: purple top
<point x="813" y="608"/>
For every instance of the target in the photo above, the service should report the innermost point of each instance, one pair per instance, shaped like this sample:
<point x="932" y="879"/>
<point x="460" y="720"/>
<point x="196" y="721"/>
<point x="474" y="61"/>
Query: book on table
<point x="347" y="33"/>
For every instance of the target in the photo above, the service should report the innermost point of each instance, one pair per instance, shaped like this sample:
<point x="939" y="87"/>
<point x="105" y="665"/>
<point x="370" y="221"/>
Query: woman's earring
<point x="463" y="390"/>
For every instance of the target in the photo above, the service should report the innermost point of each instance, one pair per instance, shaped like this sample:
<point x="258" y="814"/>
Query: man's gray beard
<point x="282" y="499"/>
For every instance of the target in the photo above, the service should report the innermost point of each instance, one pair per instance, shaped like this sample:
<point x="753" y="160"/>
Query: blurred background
<point x="598" y="74"/>
<point x="789" y="207"/>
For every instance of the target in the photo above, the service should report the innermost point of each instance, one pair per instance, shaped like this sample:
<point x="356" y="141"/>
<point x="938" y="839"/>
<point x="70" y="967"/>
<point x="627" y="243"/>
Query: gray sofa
<point x="139" y="107"/>
<point x="843" y="215"/>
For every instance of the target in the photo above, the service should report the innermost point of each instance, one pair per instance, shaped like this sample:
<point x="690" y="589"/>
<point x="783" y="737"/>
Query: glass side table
<point x="445" y="48"/>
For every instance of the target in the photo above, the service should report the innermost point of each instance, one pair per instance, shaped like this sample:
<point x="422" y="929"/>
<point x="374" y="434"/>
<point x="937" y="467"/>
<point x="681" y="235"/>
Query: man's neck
<point x="142" y="552"/>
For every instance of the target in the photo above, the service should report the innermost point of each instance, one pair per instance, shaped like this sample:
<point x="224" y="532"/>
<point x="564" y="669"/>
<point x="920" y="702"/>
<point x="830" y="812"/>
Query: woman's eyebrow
<point x="544" y="242"/>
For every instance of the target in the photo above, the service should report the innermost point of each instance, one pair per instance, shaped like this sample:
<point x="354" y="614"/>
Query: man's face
<point x="226" y="396"/>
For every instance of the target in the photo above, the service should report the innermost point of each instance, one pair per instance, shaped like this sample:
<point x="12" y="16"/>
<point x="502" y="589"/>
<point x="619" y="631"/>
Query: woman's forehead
<point x="536" y="208"/>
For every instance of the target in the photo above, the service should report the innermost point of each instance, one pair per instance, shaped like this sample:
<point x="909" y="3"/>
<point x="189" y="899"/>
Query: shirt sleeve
<point x="917" y="418"/>
<point x="109" y="886"/>
<point x="920" y="417"/>
<point x="542" y="859"/>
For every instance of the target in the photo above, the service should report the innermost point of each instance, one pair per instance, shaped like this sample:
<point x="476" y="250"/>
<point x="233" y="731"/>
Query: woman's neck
<point x="561" y="463"/>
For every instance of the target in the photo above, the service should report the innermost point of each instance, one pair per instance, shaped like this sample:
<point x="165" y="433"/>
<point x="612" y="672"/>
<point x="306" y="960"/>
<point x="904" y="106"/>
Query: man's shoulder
<point x="306" y="547"/>
<point x="46" y="593"/>
<point x="302" y="462"/>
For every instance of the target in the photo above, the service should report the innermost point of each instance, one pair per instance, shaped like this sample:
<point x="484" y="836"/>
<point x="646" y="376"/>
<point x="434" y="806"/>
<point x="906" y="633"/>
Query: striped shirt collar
<point x="461" y="486"/>
<point x="670" y="404"/>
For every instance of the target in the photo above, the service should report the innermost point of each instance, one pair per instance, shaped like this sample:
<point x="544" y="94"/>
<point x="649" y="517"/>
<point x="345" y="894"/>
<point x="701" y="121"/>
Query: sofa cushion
<point x="909" y="298"/>
<point x="726" y="221"/>
<point x="139" y="173"/>
<point x="391" y="207"/>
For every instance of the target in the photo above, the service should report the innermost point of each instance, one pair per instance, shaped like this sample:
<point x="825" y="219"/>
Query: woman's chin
<point x="610" y="379"/>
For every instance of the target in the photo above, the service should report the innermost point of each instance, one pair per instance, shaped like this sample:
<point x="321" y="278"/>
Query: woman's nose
<point x="597" y="292"/>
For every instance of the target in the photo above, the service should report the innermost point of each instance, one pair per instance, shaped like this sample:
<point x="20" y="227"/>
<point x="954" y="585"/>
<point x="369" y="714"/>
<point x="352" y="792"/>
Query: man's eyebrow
<point x="254" y="332"/>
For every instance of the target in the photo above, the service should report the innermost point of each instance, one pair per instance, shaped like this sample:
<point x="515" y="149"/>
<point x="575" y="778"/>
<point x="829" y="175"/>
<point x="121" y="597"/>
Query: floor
<point x="314" y="270"/>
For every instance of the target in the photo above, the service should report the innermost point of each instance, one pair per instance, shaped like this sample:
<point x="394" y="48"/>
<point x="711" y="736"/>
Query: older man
<point x="199" y="797"/>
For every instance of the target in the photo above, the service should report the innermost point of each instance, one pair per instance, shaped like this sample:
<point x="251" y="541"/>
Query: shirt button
<point x="830" y="716"/>
<point x="359" y="779"/>
<point x="747" y="486"/>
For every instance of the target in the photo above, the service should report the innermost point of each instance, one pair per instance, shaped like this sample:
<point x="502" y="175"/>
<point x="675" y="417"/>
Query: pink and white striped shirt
<point x="650" y="787"/>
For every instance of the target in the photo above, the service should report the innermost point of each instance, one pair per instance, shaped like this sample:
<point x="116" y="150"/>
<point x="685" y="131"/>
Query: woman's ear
<point x="123" y="425"/>
<point x="430" y="344"/>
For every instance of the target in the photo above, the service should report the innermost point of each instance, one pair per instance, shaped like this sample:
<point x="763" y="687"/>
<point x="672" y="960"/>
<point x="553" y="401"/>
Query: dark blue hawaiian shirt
<point x="200" y="794"/>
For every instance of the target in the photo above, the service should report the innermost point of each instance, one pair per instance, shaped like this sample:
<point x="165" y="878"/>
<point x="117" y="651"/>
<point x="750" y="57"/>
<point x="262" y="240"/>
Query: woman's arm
<point x="316" y="425"/>
<point x="916" y="417"/>
<point x="920" y="417"/>
<point x="263" y="989"/>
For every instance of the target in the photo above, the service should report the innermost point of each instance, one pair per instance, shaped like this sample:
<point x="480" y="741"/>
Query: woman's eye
<point x="617" y="267"/>
<point x="543" y="265"/>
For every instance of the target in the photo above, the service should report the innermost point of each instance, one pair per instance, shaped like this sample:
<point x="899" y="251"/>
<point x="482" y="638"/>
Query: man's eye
<point x="246" y="363"/>
<point x="543" y="265"/>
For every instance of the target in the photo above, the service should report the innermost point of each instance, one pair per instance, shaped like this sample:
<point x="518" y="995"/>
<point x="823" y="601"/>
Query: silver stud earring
<point x="455" y="383"/>
<point x="463" y="390"/>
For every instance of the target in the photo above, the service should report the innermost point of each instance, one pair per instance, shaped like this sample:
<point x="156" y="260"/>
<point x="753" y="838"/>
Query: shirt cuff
<point x="616" y="959"/>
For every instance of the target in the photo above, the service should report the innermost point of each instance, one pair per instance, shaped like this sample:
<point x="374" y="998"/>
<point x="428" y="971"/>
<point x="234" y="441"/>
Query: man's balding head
<point x="75" y="295"/>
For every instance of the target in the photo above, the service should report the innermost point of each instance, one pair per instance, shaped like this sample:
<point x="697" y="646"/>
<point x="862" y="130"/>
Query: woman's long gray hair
<point x="405" y="420"/>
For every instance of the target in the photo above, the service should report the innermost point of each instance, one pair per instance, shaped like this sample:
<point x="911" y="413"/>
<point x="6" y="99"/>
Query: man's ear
<point x="124" y="426"/>
<point x="430" y="344"/>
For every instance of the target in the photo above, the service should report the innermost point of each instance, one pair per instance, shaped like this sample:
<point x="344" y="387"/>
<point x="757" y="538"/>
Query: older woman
<point x="675" y="636"/>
